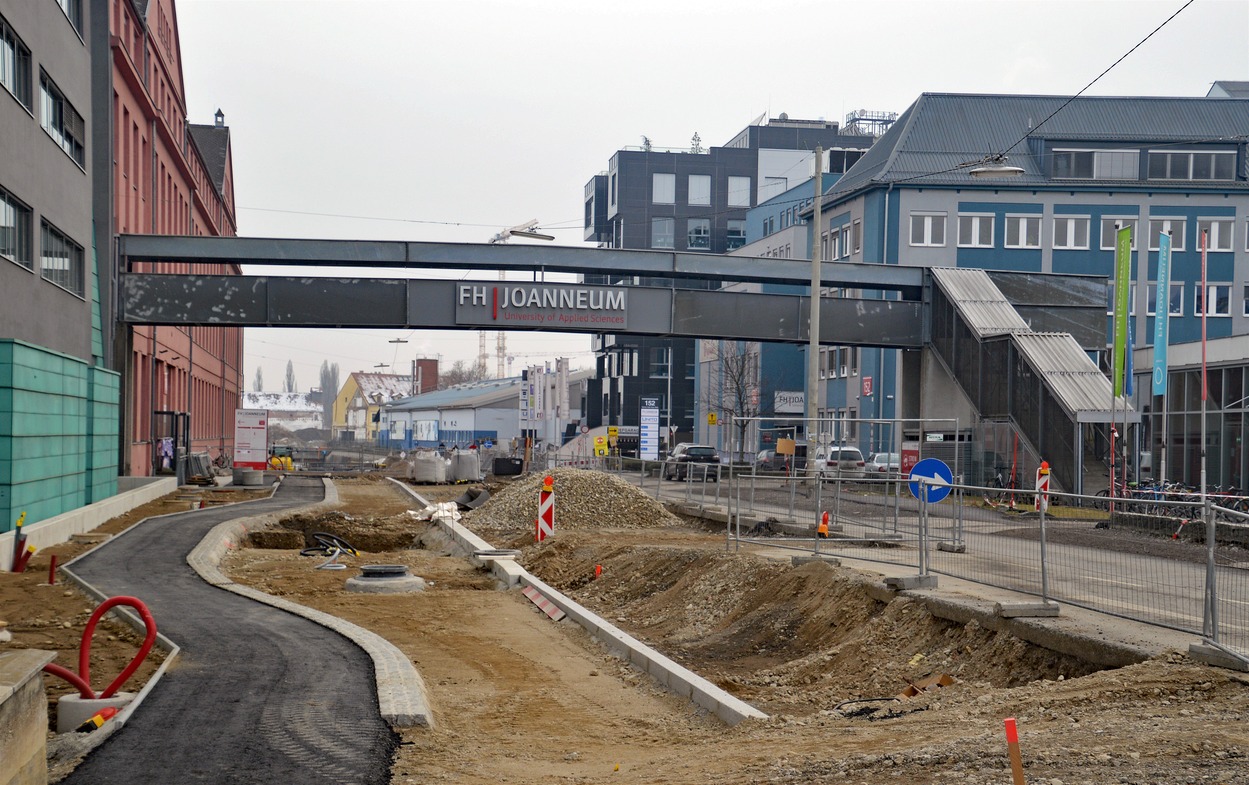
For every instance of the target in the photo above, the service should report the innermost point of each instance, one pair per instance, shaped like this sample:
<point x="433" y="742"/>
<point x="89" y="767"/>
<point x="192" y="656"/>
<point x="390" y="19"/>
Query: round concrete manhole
<point x="385" y="579"/>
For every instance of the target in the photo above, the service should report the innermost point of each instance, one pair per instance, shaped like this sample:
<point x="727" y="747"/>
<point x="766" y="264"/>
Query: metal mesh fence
<point x="1145" y="558"/>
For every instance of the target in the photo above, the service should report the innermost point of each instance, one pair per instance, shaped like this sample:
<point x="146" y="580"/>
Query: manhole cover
<point x="383" y="571"/>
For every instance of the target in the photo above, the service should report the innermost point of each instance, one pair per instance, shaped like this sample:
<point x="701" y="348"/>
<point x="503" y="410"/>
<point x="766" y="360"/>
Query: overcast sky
<point x="448" y="120"/>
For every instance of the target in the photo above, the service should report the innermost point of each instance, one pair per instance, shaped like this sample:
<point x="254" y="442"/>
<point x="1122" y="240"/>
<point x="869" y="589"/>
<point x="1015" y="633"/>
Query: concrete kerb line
<point x="672" y="676"/>
<point x="401" y="693"/>
<point x="82" y="743"/>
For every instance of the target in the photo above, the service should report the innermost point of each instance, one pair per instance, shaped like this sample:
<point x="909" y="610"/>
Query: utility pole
<point x="813" y="322"/>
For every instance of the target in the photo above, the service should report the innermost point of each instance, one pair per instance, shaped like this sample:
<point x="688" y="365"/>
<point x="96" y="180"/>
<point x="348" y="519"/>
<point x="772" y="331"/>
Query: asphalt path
<point x="257" y="695"/>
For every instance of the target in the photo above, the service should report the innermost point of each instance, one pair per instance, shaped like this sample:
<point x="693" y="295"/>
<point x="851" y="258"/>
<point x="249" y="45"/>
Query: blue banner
<point x="1162" y="314"/>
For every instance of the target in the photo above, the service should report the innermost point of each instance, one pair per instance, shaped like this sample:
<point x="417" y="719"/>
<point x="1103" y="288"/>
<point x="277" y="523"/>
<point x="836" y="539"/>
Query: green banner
<point x="1123" y="287"/>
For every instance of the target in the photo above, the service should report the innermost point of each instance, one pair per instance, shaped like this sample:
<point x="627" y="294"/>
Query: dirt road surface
<point x="520" y="699"/>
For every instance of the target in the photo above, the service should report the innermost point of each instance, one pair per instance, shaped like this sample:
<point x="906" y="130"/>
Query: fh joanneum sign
<point x="534" y="305"/>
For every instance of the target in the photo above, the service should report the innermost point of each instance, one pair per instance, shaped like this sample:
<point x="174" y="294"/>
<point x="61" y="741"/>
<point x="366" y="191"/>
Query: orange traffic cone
<point x="822" y="531"/>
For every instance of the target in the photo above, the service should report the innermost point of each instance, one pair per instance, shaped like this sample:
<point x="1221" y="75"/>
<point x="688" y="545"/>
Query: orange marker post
<point x="1012" y="744"/>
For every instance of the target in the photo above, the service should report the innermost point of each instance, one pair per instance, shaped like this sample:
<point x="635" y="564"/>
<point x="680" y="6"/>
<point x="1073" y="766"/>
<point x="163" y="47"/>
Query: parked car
<point x="842" y="462"/>
<point x="770" y="461"/>
<point x="680" y="463"/>
<point x="885" y="464"/>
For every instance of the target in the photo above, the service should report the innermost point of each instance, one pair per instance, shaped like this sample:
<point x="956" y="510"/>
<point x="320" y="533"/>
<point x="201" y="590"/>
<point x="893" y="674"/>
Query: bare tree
<point x="329" y="391"/>
<point x="258" y="384"/>
<point x="732" y="387"/>
<point x="461" y="372"/>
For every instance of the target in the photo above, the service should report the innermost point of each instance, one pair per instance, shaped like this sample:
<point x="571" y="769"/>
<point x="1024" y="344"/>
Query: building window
<point x="975" y="231"/>
<point x="60" y="260"/>
<point x="662" y="233"/>
<point x="62" y="122"/>
<point x="1108" y="231"/>
<point x="1171" y="165"/>
<point x="1071" y="233"/>
<point x="1218" y="303"/>
<point x="1218" y="233"/>
<point x="1096" y="165"/>
<point x="1172" y="226"/>
<point x="856" y="231"/>
<point x="73" y="11"/>
<point x="1110" y="299"/>
<point x="699" y="234"/>
<point x="15" y="230"/>
<point x="14" y="64"/>
<point x="928" y="229"/>
<point x="1175" y="304"/>
<point x="1245" y="305"/>
<point x="1023" y="231"/>
<point x="660" y="362"/>
<point x="612" y="191"/>
<point x="700" y="189"/>
<point x="736" y="234"/>
<point x="828" y="248"/>
<point x="739" y="192"/>
<point x="663" y="188"/>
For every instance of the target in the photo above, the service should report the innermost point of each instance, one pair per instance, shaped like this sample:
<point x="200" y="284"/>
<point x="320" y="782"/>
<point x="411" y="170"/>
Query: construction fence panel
<point x="1230" y="625"/>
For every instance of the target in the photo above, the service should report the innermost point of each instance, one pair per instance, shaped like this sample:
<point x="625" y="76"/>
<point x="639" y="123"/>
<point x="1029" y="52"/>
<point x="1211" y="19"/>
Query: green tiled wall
<point x="58" y="433"/>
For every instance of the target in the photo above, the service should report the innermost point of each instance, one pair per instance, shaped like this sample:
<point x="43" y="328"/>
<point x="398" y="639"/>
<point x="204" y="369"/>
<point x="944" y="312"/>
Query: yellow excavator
<point x="281" y="458"/>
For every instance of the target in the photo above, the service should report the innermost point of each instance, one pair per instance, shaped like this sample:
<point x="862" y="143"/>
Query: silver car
<point x="843" y="462"/>
<point x="883" y="464"/>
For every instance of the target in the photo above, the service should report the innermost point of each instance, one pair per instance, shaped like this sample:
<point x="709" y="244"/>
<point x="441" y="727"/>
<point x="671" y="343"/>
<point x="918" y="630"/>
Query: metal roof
<point x="1073" y="378"/>
<point x="982" y="305"/>
<point x="474" y="395"/>
<point x="940" y="133"/>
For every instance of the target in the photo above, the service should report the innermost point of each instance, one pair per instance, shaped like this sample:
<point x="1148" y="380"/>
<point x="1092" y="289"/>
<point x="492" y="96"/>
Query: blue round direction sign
<point x="937" y="479"/>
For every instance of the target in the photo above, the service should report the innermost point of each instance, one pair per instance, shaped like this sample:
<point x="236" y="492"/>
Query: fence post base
<point x="1019" y="610"/>
<point x="1218" y="656"/>
<point x="912" y="582"/>
<point x="952" y="547"/>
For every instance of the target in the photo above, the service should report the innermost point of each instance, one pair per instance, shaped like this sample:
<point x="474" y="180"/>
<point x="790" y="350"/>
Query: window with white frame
<point x="1111" y="225"/>
<point x="73" y="12"/>
<point x="1192" y="165"/>
<point x="975" y="231"/>
<point x="700" y="189"/>
<point x="60" y="259"/>
<point x="62" y="121"/>
<point x="15" y="219"/>
<point x="662" y="232"/>
<point x="1217" y="302"/>
<point x="1218" y="233"/>
<point x="857" y="233"/>
<point x="845" y="242"/>
<point x="14" y="64"/>
<point x="928" y="229"/>
<point x="1023" y="231"/>
<point x="1173" y="226"/>
<point x="1110" y="298"/>
<point x="736" y="236"/>
<point x="1175" y="302"/>
<point x="823" y="362"/>
<point x="699" y="234"/>
<point x="739" y="191"/>
<point x="660" y="364"/>
<point x="1071" y="232"/>
<point x="663" y="188"/>
<point x="1096" y="165"/>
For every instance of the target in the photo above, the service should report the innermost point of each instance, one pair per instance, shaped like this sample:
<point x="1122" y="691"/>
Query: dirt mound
<point x="789" y="639"/>
<point x="583" y="500"/>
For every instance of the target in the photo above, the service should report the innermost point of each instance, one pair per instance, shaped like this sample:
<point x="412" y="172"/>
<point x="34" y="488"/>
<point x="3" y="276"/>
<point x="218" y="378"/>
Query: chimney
<point x="220" y="119"/>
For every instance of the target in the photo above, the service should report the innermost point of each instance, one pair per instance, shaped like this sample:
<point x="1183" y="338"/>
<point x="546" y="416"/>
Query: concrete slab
<point x="910" y="582"/>
<point x="1016" y="610"/>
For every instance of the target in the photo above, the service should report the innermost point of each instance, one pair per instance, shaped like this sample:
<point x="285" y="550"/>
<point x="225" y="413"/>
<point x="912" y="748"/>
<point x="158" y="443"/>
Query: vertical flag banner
<point x="1129" y="369"/>
<point x="1162" y="314"/>
<point x="1123" y="275"/>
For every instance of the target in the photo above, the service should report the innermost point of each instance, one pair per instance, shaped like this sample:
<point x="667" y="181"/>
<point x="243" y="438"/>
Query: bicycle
<point x="1001" y="487"/>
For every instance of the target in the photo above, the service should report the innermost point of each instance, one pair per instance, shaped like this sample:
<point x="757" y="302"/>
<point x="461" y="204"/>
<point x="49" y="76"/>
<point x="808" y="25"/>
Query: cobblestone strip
<point x="401" y="694"/>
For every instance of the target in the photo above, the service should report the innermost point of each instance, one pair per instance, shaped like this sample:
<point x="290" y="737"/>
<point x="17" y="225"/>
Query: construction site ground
<point x="518" y="698"/>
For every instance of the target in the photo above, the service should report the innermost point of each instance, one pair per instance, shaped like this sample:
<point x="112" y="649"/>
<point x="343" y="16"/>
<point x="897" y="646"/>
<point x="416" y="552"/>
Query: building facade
<point x="167" y="176"/>
<point x="694" y="201"/>
<point x="58" y="396"/>
<point x="1153" y="165"/>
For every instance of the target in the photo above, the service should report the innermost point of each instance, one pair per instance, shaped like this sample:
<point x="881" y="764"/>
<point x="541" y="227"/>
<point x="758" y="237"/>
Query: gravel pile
<point x="583" y="500"/>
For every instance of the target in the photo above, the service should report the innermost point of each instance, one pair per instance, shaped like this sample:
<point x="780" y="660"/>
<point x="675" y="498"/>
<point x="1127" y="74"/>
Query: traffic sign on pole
<point x="935" y="479"/>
